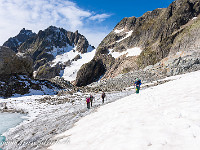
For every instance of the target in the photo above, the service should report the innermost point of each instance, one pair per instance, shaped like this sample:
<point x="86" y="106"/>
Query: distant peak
<point x="52" y="27"/>
<point x="76" y="32"/>
<point x="24" y="31"/>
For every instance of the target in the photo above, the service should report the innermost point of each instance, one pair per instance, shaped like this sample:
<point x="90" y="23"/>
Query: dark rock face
<point x="11" y="63"/>
<point x="45" y="40"/>
<point x="16" y="41"/>
<point x="158" y="33"/>
<point x="90" y="72"/>
<point x="22" y="84"/>
<point x="93" y="70"/>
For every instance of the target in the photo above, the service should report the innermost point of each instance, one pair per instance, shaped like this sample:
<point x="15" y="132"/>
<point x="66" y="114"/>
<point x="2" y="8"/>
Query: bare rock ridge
<point x="15" y="42"/>
<point x="160" y="34"/>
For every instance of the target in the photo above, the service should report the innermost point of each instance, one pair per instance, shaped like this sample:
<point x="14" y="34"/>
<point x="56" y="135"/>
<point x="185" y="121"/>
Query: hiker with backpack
<point x="137" y="84"/>
<point x="88" y="102"/>
<point x="103" y="97"/>
<point x="91" y="99"/>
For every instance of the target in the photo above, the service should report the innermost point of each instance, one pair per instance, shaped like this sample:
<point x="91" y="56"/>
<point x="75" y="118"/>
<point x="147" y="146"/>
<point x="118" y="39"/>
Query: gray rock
<point x="47" y="72"/>
<point x="11" y="63"/>
<point x="76" y="57"/>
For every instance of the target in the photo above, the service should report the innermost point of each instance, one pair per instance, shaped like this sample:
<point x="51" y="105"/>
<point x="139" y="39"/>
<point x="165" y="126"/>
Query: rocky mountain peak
<point x="56" y="37"/>
<point x="15" y="42"/>
<point x="26" y="32"/>
<point x="45" y="46"/>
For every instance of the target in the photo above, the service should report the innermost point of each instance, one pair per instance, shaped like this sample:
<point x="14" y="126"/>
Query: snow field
<point x="164" y="117"/>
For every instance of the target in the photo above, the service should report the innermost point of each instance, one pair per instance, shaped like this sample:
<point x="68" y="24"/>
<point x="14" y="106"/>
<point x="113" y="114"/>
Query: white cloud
<point x="100" y="17"/>
<point x="39" y="14"/>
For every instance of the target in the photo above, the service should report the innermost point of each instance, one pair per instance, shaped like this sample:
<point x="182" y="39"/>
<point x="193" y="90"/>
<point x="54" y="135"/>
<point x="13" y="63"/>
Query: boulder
<point x="76" y="57"/>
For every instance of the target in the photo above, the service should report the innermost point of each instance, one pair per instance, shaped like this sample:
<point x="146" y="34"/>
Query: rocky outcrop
<point x="14" y="42"/>
<point x="90" y="72"/>
<point x="158" y="33"/>
<point x="61" y="82"/>
<point x="11" y="63"/>
<point x="47" y="72"/>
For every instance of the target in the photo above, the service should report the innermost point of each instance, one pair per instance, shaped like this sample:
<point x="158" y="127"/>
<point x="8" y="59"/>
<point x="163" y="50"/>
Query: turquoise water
<point x="8" y="120"/>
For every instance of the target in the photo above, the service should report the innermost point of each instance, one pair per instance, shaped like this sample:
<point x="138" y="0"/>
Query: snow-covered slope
<point x="69" y="72"/>
<point x="164" y="117"/>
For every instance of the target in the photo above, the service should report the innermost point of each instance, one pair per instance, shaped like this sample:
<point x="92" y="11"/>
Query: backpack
<point x="103" y="95"/>
<point x="87" y="99"/>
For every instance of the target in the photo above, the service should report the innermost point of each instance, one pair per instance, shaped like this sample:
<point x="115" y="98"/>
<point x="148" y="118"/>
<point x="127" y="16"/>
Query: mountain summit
<point x="45" y="48"/>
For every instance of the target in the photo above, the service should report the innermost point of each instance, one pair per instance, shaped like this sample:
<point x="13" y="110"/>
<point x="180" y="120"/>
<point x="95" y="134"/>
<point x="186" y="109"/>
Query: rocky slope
<point x="16" y="76"/>
<point x="12" y="63"/>
<point x="159" y="34"/>
<point x="16" y="41"/>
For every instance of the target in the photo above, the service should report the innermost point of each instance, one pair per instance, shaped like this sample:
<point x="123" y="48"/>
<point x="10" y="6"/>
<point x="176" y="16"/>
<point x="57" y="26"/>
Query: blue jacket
<point x="138" y="83"/>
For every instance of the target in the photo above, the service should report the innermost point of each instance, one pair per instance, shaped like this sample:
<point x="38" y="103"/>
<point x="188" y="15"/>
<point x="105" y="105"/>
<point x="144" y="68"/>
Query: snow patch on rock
<point x="129" y="52"/>
<point x="118" y="31"/>
<point x="127" y="35"/>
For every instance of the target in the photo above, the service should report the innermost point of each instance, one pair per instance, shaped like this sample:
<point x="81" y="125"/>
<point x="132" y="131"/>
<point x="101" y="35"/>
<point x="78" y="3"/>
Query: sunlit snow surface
<point x="127" y="35"/>
<point x="164" y="117"/>
<point x="118" y="31"/>
<point x="70" y="73"/>
<point x="129" y="52"/>
<point x="65" y="54"/>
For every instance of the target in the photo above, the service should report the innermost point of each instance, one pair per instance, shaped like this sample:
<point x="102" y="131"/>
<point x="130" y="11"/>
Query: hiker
<point x="103" y="96"/>
<point x="91" y="99"/>
<point x="88" y="102"/>
<point x="137" y="84"/>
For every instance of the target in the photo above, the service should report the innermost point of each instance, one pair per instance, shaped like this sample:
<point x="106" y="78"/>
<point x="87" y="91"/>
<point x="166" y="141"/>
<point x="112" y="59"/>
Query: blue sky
<point x="93" y="19"/>
<point x="120" y="9"/>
